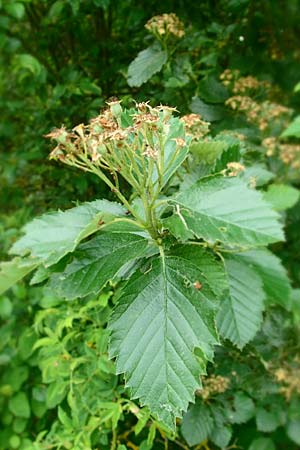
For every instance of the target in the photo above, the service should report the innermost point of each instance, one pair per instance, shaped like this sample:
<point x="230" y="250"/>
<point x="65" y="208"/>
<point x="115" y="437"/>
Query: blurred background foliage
<point x="60" y="61"/>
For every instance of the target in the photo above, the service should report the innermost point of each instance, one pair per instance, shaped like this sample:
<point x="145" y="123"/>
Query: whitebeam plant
<point x="192" y="266"/>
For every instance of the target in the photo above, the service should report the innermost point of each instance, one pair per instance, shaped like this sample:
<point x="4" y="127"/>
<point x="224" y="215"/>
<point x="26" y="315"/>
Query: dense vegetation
<point x="160" y="307"/>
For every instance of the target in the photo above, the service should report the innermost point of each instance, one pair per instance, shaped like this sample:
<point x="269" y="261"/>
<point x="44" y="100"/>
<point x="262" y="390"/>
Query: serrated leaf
<point x="13" y="271"/>
<point x="211" y="268"/>
<point x="145" y="65"/>
<point x="274" y="276"/>
<point x="197" y="424"/>
<point x="244" y="408"/>
<point x="96" y="262"/>
<point x="240" y="313"/>
<point x="159" y="320"/>
<point x="51" y="236"/>
<point x="282" y="196"/>
<point x="293" y="130"/>
<point x="224" y="209"/>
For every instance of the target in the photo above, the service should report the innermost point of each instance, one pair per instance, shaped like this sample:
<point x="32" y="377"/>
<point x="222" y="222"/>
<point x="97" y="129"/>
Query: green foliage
<point x="173" y="288"/>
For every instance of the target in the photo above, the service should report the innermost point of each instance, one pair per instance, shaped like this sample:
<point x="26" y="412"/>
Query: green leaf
<point x="159" y="320"/>
<point x="267" y="421"/>
<point x="15" y="9"/>
<point x="257" y="173"/>
<point x="212" y="91"/>
<point x="224" y="209"/>
<point x="19" y="405"/>
<point x="293" y="431"/>
<point x="13" y="271"/>
<point x="209" y="151"/>
<point x="262" y="444"/>
<point x="275" y="280"/>
<point x="51" y="236"/>
<point x="211" y="269"/>
<point x="145" y="65"/>
<point x="282" y="196"/>
<point x="244" y="408"/>
<point x="221" y="435"/>
<point x="211" y="113"/>
<point x="293" y="130"/>
<point x="297" y="87"/>
<point x="96" y="262"/>
<point x="56" y="392"/>
<point x="197" y="424"/>
<point x="240" y="313"/>
<point x="29" y="62"/>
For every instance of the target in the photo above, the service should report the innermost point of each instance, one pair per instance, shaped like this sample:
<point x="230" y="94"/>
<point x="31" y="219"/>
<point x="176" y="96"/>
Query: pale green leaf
<point x="293" y="431"/>
<point x="257" y="174"/>
<point x="13" y="271"/>
<point x="282" y="196"/>
<point x="240" y="313"/>
<point x="145" y="65"/>
<point x="293" y="130"/>
<point x="208" y="151"/>
<point x="19" y="405"/>
<point x="275" y="280"/>
<point x="244" y="408"/>
<point x="262" y="444"/>
<point x="51" y="236"/>
<point x="267" y="421"/>
<point x="159" y="320"/>
<point x="197" y="424"/>
<point x="96" y="262"/>
<point x="224" y="209"/>
<point x="15" y="9"/>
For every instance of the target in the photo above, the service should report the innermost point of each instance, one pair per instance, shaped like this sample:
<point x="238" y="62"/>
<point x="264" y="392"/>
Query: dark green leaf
<point x="159" y="320"/>
<point x="224" y="209"/>
<point x="240" y="313"/>
<point x="197" y="424"/>
<point x="96" y="262"/>
<point x="145" y="65"/>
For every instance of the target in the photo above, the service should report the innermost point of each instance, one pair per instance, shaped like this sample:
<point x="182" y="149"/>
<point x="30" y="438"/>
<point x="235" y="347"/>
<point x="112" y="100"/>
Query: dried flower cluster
<point x="128" y="143"/>
<point x="166" y="25"/>
<point x="229" y="76"/>
<point x="288" y="153"/>
<point x="234" y="169"/>
<point x="215" y="384"/>
<point x="195" y="126"/>
<point x="290" y="378"/>
<point x="270" y="143"/>
<point x="242" y="85"/>
<point x="262" y="114"/>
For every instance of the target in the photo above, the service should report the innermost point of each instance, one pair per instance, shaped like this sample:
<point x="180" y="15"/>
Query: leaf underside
<point x="51" y="236"/>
